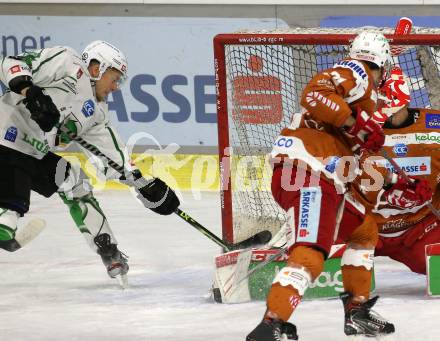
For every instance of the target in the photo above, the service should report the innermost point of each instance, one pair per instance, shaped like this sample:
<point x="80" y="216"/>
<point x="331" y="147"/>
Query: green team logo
<point x="41" y="146"/>
<point x="428" y="138"/>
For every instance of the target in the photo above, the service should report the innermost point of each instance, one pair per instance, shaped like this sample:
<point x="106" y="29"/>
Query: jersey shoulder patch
<point x="355" y="66"/>
<point x="360" y="77"/>
<point x="88" y="108"/>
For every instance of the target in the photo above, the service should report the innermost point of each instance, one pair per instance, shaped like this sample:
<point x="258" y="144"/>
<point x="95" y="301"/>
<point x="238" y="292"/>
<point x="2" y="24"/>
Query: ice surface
<point x="57" y="289"/>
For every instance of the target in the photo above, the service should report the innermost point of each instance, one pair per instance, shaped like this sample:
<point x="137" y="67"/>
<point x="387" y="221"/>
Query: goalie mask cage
<point x="259" y="80"/>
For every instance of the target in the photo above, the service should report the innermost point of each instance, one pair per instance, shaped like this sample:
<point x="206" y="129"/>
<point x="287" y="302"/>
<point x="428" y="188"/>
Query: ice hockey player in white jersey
<point x="56" y="86"/>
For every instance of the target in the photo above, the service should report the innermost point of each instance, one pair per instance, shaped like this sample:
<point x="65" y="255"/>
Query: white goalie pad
<point x="230" y="283"/>
<point x="233" y="278"/>
<point x="285" y="237"/>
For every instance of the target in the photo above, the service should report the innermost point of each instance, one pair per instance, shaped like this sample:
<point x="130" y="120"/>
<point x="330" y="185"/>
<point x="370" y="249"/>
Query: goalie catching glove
<point x="365" y="132"/>
<point x="155" y="195"/>
<point x="393" y="95"/>
<point x="43" y="110"/>
<point x="394" y="92"/>
<point x="408" y="193"/>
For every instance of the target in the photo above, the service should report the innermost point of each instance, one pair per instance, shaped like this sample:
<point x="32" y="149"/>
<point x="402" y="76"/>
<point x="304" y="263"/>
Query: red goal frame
<point x="220" y="41"/>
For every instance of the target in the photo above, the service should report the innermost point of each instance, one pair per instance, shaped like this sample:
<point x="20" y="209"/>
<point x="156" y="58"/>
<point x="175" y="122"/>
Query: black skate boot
<point x="361" y="320"/>
<point x="273" y="330"/>
<point x="114" y="260"/>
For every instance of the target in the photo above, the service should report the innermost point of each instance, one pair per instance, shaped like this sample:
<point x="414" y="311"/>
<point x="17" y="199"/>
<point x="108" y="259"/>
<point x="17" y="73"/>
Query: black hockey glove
<point x="156" y="195"/>
<point x="42" y="109"/>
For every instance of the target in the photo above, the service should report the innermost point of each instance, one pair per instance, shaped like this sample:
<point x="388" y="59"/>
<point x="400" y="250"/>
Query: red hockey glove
<point x="366" y="132"/>
<point x="408" y="194"/>
<point x="394" y="92"/>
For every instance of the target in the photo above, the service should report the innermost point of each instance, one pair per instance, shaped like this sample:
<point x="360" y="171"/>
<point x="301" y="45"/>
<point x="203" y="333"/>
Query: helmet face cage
<point x="108" y="56"/>
<point x="372" y="47"/>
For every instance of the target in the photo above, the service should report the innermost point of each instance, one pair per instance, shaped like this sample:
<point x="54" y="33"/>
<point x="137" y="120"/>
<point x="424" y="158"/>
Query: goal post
<point x="259" y="79"/>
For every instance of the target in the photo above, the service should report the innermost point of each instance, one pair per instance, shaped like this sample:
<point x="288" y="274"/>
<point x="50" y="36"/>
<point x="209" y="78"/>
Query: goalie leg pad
<point x="285" y="237"/>
<point x="358" y="257"/>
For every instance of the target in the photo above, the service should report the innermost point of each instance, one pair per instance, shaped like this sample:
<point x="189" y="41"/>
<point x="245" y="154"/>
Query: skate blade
<point x="383" y="337"/>
<point x="122" y="281"/>
<point x="387" y="337"/>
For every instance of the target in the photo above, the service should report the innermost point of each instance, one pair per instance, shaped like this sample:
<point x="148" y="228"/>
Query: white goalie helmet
<point x="108" y="56"/>
<point x="371" y="47"/>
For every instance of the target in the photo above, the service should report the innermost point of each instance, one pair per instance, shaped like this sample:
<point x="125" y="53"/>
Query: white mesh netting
<point x="264" y="85"/>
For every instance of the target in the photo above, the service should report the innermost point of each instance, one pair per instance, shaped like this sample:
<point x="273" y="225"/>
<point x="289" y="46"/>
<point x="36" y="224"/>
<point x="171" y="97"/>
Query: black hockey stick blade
<point x="260" y="238"/>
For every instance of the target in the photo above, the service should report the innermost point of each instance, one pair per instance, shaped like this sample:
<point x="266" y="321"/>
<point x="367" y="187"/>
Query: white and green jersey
<point x="65" y="78"/>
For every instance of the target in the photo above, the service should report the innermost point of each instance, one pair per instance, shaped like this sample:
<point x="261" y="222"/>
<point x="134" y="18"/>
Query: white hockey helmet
<point x="371" y="47"/>
<point x="108" y="56"/>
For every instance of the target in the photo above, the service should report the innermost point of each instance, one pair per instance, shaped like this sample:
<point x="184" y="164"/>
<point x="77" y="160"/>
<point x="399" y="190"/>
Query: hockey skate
<point x="360" y="319"/>
<point x="273" y="330"/>
<point x="114" y="260"/>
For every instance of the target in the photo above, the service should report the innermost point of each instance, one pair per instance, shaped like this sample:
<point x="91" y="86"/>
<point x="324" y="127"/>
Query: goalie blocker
<point x="231" y="284"/>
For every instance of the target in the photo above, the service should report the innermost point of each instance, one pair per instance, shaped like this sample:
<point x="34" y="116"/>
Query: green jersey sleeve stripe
<point x="47" y="60"/>
<point x="57" y="87"/>
<point x="72" y="78"/>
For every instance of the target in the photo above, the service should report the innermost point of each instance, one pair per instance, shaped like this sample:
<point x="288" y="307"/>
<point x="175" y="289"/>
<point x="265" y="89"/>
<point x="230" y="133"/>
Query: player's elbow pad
<point x="19" y="83"/>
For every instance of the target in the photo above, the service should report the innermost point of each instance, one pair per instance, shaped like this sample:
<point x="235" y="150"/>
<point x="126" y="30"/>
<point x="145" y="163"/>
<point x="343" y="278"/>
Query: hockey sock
<point x="290" y="284"/>
<point x="357" y="281"/>
<point x="88" y="217"/>
<point x="79" y="209"/>
<point x="281" y="302"/>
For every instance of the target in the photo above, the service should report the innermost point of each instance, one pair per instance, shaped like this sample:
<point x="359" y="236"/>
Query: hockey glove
<point x="408" y="194"/>
<point x="156" y="195"/>
<point x="62" y="139"/>
<point x="394" y="92"/>
<point x="43" y="110"/>
<point x="393" y="95"/>
<point x="366" y="132"/>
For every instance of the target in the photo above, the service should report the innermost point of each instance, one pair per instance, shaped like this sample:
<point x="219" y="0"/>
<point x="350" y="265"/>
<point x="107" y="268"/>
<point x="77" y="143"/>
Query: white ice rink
<point x="57" y="289"/>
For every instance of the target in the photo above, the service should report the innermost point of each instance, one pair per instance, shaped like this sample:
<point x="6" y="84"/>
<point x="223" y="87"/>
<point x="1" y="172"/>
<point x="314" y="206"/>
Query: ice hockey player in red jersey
<point x="314" y="161"/>
<point x="406" y="224"/>
<point x="405" y="221"/>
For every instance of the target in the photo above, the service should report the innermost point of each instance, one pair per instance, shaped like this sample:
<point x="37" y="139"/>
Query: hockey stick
<point x="30" y="231"/>
<point x="403" y="27"/>
<point x="405" y="176"/>
<point x="259" y="238"/>
<point x="24" y="235"/>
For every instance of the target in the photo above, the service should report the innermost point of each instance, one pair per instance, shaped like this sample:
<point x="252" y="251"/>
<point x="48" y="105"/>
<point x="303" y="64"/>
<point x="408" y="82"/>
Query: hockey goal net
<point x="259" y="80"/>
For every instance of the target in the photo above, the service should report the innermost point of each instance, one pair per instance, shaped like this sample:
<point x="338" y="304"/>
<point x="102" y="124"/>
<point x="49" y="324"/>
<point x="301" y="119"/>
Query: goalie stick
<point x="259" y="238"/>
<point x="403" y="27"/>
